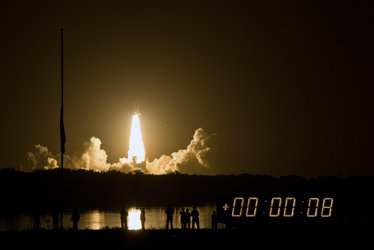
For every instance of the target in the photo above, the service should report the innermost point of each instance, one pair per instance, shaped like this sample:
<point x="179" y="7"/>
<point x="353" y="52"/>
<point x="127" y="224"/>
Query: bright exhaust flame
<point x="136" y="150"/>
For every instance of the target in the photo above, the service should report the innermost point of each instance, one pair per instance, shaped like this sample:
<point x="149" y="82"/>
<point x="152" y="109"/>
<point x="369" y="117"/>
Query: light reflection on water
<point x="134" y="219"/>
<point x="96" y="219"/>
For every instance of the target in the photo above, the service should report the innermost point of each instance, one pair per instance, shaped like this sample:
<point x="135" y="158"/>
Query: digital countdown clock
<point x="242" y="210"/>
<point x="286" y="207"/>
<point x="328" y="202"/>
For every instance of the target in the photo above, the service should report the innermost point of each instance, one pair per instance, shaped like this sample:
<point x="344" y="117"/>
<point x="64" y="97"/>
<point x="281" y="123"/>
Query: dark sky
<point x="286" y="88"/>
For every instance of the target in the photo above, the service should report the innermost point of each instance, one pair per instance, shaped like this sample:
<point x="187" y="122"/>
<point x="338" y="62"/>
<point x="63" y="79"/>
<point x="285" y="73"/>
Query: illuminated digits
<point x="251" y="210"/>
<point x="312" y="207"/>
<point x="237" y="205"/>
<point x="275" y="201"/>
<point x="326" y="209"/>
<point x="290" y="202"/>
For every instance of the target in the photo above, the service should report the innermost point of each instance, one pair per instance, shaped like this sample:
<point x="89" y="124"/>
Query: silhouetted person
<point x="75" y="217"/>
<point x="36" y="219"/>
<point x="183" y="218"/>
<point x="169" y="217"/>
<point x="142" y="218"/>
<point x="195" y="218"/>
<point x="214" y="220"/>
<point x="188" y="218"/>
<point x="55" y="219"/>
<point x="124" y="215"/>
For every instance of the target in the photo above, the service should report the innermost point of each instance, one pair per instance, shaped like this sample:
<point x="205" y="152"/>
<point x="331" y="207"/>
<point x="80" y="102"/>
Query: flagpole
<point x="62" y="132"/>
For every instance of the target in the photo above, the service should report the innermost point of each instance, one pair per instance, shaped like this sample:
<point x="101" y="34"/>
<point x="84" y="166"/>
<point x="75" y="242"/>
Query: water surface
<point x="98" y="219"/>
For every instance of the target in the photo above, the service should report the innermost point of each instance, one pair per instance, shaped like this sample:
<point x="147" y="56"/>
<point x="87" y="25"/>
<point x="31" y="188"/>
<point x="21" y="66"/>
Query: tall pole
<point x="62" y="133"/>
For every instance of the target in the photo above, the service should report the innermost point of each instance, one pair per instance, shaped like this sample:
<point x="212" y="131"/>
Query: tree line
<point x="25" y="192"/>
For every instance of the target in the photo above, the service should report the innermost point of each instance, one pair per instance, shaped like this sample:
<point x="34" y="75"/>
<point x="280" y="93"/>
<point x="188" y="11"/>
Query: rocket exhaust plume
<point x="136" y="151"/>
<point x="191" y="160"/>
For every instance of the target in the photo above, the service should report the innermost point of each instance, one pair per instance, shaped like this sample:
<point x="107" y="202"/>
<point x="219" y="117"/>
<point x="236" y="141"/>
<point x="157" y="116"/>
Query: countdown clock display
<point x="280" y="207"/>
<point x="331" y="202"/>
<point x="239" y="209"/>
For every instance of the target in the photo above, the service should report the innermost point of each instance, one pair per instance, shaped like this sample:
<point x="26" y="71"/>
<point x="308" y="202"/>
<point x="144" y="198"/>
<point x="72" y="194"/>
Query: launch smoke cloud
<point x="191" y="160"/>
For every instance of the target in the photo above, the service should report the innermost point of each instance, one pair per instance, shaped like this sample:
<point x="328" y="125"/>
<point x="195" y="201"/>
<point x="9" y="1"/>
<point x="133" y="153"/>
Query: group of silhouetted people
<point x="186" y="215"/>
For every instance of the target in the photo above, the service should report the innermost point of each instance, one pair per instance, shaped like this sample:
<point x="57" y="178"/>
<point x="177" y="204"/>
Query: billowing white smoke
<point x="92" y="158"/>
<point x="192" y="160"/>
<point x="40" y="158"/>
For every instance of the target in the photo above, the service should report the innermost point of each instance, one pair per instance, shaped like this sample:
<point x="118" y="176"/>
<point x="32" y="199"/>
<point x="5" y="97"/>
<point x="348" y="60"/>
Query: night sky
<point x="281" y="88"/>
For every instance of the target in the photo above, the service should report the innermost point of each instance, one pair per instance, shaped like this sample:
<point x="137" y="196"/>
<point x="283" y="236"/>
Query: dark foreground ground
<point x="291" y="238"/>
